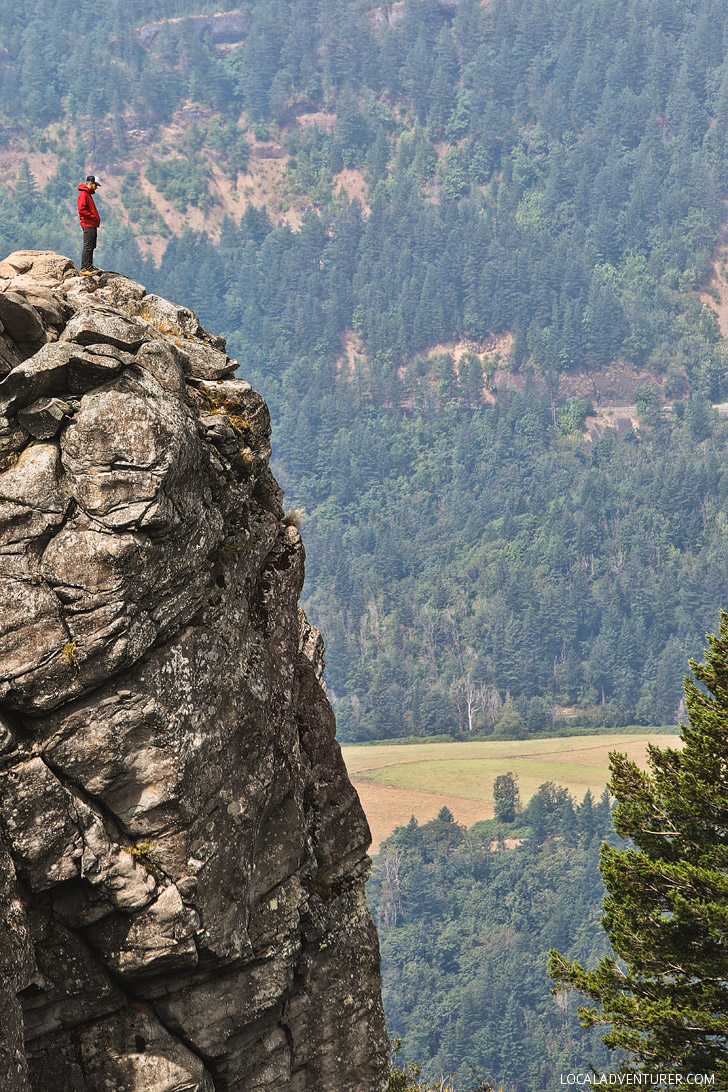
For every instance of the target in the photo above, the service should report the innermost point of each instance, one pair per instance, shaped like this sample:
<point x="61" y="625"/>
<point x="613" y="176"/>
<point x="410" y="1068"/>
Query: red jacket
<point x="87" y="210"/>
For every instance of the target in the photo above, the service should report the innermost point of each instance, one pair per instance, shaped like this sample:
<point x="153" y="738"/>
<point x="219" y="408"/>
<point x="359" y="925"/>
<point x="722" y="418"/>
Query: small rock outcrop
<point x="182" y="855"/>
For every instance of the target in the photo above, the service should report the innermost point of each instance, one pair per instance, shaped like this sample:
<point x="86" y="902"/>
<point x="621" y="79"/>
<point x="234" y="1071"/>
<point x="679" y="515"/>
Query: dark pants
<point x="89" y="245"/>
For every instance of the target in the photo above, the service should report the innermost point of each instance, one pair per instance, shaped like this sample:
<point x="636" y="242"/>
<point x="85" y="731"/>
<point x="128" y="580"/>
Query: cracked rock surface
<point x="182" y="855"/>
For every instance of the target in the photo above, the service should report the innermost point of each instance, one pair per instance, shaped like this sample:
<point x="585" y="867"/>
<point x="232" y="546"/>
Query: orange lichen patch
<point x="387" y="807"/>
<point x="353" y="183"/>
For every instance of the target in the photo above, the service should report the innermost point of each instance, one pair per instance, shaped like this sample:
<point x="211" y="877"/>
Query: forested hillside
<point x="392" y="213"/>
<point x="465" y="936"/>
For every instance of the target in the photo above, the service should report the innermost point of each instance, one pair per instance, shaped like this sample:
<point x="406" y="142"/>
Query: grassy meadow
<point x="397" y="781"/>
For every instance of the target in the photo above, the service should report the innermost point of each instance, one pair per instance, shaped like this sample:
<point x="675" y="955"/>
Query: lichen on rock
<point x="182" y="855"/>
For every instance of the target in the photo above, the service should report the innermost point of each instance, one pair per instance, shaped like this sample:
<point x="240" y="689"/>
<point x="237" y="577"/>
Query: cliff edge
<point x="182" y="856"/>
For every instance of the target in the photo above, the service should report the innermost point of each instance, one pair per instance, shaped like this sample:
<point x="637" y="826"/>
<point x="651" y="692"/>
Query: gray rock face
<point x="17" y="967"/>
<point x="44" y="417"/>
<point x="182" y="855"/>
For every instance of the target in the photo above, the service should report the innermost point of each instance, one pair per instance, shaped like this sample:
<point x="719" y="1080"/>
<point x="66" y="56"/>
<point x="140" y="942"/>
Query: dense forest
<point x="553" y="173"/>
<point x="466" y="928"/>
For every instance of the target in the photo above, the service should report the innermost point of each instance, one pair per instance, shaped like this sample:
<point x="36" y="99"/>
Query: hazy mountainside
<point x="459" y="551"/>
<point x="554" y="170"/>
<point x="465" y="937"/>
<point x="539" y="185"/>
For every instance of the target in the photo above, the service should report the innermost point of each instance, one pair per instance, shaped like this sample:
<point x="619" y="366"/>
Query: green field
<point x="396" y="781"/>
<point x="473" y="778"/>
<point x="468" y="769"/>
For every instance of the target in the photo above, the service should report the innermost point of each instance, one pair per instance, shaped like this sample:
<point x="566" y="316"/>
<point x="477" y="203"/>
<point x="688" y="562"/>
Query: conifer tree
<point x="506" y="797"/>
<point x="666" y="911"/>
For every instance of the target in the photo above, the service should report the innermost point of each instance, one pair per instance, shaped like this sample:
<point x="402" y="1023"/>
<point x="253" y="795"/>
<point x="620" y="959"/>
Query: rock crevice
<point x="182" y="856"/>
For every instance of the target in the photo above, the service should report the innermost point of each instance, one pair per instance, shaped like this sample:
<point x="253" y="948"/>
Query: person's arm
<point x="87" y="206"/>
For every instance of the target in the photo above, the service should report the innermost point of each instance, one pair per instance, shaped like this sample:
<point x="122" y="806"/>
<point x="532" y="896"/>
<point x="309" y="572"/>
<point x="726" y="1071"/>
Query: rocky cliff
<point x="182" y="856"/>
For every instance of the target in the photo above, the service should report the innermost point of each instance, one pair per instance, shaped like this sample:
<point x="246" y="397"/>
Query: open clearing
<point x="397" y="781"/>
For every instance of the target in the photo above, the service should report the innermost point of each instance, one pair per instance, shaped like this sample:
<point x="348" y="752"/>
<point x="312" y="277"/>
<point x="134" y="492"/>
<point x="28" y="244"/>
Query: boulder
<point x="44" y="417"/>
<point x="175" y="321"/>
<point x="51" y="307"/>
<point x="43" y="266"/>
<point x="10" y="355"/>
<point x="20" y="319"/>
<point x="163" y="360"/>
<point x="109" y="289"/>
<point x="60" y="368"/>
<point x="94" y="367"/>
<point x="33" y="501"/>
<point x="96" y="323"/>
<point x="8" y="734"/>
<point x="160" y="938"/>
<point x="201" y="361"/>
<point x="44" y="373"/>
<point x="13" y="438"/>
<point x="170" y="318"/>
<point x="129" y="1050"/>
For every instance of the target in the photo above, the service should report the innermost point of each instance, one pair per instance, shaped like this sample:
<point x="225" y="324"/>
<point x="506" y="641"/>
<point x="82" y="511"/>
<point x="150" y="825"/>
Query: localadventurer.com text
<point x="638" y="1080"/>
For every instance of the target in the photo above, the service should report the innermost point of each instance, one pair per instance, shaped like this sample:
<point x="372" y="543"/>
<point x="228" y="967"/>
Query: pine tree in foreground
<point x="666" y="911"/>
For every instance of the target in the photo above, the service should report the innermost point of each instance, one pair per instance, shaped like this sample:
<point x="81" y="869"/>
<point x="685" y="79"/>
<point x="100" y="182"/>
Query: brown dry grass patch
<point x="387" y="807"/>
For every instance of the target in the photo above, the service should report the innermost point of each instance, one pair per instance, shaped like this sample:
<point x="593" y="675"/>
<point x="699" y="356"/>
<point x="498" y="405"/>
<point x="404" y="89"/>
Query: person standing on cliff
<point x="90" y="220"/>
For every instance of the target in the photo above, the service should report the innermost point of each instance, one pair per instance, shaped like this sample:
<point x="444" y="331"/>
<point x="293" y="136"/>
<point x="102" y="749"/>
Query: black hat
<point x="92" y="178"/>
